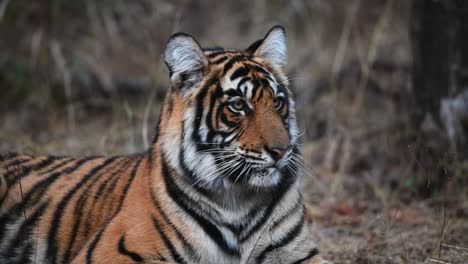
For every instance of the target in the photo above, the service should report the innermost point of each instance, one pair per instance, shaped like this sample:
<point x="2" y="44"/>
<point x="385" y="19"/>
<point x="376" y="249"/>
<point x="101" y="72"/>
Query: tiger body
<point x="219" y="184"/>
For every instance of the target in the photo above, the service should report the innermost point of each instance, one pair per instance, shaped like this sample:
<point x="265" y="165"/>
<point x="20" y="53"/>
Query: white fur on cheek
<point x="200" y="164"/>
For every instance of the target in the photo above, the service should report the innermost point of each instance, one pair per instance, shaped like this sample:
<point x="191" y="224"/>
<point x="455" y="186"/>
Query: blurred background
<point x="381" y="90"/>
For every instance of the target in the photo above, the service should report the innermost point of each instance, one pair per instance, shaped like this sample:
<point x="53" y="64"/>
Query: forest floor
<point x="349" y="225"/>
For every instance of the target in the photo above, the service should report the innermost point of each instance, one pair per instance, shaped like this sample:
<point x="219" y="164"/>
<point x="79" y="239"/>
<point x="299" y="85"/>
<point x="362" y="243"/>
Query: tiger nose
<point x="277" y="152"/>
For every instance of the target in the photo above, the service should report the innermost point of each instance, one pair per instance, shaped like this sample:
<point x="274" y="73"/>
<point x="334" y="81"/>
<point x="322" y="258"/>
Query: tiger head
<point x="229" y="118"/>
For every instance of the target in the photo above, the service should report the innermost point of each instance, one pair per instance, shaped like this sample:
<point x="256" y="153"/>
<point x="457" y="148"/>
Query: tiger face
<point x="237" y="124"/>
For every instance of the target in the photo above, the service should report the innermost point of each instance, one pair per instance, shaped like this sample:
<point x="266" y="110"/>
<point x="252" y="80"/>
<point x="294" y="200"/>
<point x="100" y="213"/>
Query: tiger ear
<point x="185" y="60"/>
<point x="272" y="47"/>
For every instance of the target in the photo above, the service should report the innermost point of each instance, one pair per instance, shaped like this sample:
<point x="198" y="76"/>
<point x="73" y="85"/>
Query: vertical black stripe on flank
<point x="97" y="238"/>
<point x="290" y="235"/>
<point x="312" y="253"/>
<point x="79" y="210"/>
<point x="98" y="195"/>
<point x="109" y="190"/>
<point x="124" y="251"/>
<point x="37" y="191"/>
<point x="52" y="246"/>
<point x="175" y="255"/>
<point x="92" y="246"/>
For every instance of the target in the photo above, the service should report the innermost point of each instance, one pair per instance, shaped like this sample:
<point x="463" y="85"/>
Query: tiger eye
<point x="279" y="103"/>
<point x="237" y="104"/>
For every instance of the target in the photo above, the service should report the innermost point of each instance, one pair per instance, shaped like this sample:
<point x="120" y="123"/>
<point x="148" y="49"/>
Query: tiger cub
<point x="220" y="183"/>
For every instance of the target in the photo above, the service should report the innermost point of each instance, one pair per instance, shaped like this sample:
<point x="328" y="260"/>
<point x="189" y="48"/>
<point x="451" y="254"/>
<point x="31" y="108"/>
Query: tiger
<point x="220" y="182"/>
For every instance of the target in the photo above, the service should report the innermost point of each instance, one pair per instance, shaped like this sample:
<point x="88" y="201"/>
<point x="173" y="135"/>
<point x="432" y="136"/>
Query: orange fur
<point x="123" y="209"/>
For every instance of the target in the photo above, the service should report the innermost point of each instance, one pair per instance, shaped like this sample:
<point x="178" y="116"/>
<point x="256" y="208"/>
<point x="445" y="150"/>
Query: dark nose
<point x="277" y="152"/>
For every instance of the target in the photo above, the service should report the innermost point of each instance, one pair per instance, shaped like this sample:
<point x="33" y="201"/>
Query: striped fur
<point x="220" y="183"/>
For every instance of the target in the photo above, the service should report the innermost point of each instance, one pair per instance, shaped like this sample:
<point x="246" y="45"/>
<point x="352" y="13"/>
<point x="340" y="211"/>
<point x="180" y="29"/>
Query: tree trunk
<point x="439" y="34"/>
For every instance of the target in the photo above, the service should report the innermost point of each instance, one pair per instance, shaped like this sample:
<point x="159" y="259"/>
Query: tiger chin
<point x="220" y="183"/>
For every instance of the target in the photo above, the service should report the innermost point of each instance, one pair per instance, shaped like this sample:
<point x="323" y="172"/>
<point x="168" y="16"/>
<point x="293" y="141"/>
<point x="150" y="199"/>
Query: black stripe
<point x="198" y="114"/>
<point x="220" y="60"/>
<point x="249" y="218"/>
<point x="11" y="158"/>
<point x="241" y="71"/>
<point x="92" y="246"/>
<point x="175" y="255"/>
<point x="23" y="235"/>
<point x="99" y="195"/>
<point x="209" y="116"/>
<point x="97" y="238"/>
<point x="283" y="187"/>
<point x="37" y="191"/>
<point x="158" y="125"/>
<point x="312" y="253"/>
<point x="15" y="161"/>
<point x="111" y="189"/>
<point x="52" y="238"/>
<point x="195" y="135"/>
<point x="242" y="81"/>
<point x="216" y="53"/>
<point x="124" y="251"/>
<point x="20" y="171"/>
<point x="6" y="156"/>
<point x="258" y="68"/>
<point x="230" y="64"/>
<point x="57" y="166"/>
<point x="187" y="204"/>
<point x="290" y="235"/>
<point x="279" y="221"/>
<point x="81" y="202"/>
<point x="186" y="245"/>
<point x="226" y="121"/>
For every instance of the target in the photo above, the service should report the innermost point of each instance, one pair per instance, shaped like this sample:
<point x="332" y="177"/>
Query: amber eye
<point x="279" y="103"/>
<point x="237" y="104"/>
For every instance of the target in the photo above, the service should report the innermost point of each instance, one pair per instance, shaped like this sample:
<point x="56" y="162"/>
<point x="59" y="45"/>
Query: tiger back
<point x="220" y="183"/>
